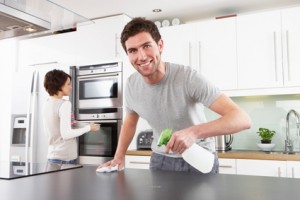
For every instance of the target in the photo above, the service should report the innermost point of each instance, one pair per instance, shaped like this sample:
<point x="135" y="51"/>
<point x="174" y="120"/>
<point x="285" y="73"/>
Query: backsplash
<point x="268" y="112"/>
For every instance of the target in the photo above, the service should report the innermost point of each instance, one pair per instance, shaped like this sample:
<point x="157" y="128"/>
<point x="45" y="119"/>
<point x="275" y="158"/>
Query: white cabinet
<point x="137" y="162"/>
<point x="227" y="166"/>
<point x="207" y="46"/>
<point x="217" y="51"/>
<point x="268" y="46"/>
<point x="261" y="167"/>
<point x="291" y="46"/>
<point x="100" y="42"/>
<point x="259" y="50"/>
<point x="89" y="44"/>
<point x="180" y="44"/>
<point x="293" y="169"/>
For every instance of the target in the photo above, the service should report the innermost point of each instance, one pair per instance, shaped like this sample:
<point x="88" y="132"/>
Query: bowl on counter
<point x="266" y="147"/>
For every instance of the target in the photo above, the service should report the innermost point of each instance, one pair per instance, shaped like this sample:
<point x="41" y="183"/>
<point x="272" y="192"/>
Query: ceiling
<point x="185" y="10"/>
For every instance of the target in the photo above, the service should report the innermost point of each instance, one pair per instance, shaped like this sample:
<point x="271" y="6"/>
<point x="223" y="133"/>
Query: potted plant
<point x="266" y="135"/>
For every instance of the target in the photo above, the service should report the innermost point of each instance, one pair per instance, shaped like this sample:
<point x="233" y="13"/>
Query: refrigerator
<point x="28" y="140"/>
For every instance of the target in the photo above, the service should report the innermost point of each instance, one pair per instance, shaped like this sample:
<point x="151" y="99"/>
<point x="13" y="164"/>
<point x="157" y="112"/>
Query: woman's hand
<point x="94" y="127"/>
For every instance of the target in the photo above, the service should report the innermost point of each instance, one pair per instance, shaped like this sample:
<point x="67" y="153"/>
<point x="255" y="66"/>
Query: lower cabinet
<point x="227" y="166"/>
<point x="293" y="169"/>
<point x="273" y="168"/>
<point x="137" y="162"/>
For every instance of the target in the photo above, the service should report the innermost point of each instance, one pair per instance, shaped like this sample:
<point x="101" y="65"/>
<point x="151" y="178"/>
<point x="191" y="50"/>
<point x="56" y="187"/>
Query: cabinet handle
<point x="288" y="55"/>
<point x="139" y="162"/>
<point x="275" y="56"/>
<point x="200" y="59"/>
<point x="225" y="166"/>
<point x="279" y="172"/>
<point x="293" y="173"/>
<point x="190" y="54"/>
<point x="116" y="45"/>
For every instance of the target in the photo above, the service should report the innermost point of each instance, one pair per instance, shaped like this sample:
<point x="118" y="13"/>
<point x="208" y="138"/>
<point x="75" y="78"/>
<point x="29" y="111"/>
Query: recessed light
<point x="156" y="10"/>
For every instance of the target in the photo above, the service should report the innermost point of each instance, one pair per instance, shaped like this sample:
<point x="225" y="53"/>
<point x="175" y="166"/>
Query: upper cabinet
<point x="90" y="43"/>
<point x="180" y="44"/>
<point x="259" y="50"/>
<point x="268" y="46"/>
<point x="217" y="51"/>
<point x="291" y="46"/>
<point x="209" y="47"/>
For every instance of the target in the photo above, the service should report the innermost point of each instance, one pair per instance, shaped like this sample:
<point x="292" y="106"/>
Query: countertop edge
<point x="236" y="154"/>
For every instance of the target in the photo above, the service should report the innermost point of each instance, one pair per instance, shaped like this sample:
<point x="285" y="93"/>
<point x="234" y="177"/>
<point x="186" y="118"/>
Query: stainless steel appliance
<point x="97" y="97"/>
<point x="99" y="86"/>
<point x="223" y="142"/>
<point x="99" y="147"/>
<point x="144" y="140"/>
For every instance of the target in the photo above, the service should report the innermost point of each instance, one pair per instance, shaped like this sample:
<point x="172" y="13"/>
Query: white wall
<point x="8" y="64"/>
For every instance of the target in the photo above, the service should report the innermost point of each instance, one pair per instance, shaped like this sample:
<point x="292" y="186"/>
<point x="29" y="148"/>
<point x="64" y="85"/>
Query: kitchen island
<point x="138" y="184"/>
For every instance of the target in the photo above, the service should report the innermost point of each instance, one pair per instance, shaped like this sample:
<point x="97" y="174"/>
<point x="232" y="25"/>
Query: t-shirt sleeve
<point x="65" y="123"/>
<point x="202" y="90"/>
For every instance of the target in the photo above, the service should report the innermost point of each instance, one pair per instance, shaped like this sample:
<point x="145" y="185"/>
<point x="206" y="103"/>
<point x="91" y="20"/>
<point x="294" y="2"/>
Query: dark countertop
<point x="138" y="184"/>
<point x="237" y="154"/>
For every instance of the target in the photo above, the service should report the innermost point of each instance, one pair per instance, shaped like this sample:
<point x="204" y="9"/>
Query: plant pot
<point x="266" y="141"/>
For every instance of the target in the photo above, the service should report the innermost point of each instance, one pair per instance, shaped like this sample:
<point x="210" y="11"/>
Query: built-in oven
<point x="99" y="86"/>
<point x="97" y="97"/>
<point x="99" y="147"/>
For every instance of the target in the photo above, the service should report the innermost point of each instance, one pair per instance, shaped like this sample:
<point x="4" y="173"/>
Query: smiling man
<point x="169" y="95"/>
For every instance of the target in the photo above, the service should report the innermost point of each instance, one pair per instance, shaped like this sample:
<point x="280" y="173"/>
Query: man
<point x="169" y="95"/>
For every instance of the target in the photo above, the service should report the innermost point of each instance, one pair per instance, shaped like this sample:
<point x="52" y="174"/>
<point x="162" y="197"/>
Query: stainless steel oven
<point x="97" y="97"/>
<point x="98" y="147"/>
<point x="99" y="86"/>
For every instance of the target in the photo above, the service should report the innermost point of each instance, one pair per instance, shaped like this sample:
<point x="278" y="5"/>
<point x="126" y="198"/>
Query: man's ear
<point x="160" y="45"/>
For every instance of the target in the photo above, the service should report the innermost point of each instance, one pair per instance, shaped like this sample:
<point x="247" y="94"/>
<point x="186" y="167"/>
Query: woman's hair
<point x="54" y="80"/>
<point x="138" y="25"/>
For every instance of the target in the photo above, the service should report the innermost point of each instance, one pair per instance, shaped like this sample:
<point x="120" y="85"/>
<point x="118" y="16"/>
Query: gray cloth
<point x="164" y="163"/>
<point x="175" y="102"/>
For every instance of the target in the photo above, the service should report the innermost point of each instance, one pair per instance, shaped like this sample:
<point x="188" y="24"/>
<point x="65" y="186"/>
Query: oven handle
<point x="82" y="77"/>
<point x="99" y="121"/>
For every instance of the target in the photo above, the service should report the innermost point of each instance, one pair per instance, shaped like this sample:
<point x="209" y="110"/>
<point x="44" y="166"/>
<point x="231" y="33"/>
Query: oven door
<point x="99" y="147"/>
<point x="99" y="91"/>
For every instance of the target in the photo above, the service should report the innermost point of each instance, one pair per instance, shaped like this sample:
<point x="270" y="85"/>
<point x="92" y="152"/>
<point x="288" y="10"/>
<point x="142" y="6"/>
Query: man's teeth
<point x="145" y="64"/>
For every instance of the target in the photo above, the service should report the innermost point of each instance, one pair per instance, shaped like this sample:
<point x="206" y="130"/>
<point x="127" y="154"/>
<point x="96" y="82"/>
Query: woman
<point x="57" y="121"/>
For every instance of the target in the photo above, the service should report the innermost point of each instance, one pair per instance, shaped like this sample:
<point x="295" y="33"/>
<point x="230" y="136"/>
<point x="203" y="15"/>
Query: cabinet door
<point x="137" y="162"/>
<point x="259" y="50"/>
<point x="217" y="51"/>
<point x="179" y="44"/>
<point x="291" y="46"/>
<point x="100" y="42"/>
<point x="293" y="169"/>
<point x="261" y="167"/>
<point x="227" y="166"/>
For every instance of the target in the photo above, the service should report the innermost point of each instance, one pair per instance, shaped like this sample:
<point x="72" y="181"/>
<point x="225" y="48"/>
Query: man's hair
<point x="138" y="25"/>
<point x="54" y="80"/>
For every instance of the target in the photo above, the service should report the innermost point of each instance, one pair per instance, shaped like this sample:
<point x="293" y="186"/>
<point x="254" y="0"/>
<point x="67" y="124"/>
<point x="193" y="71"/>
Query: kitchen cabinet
<point x="259" y="50"/>
<point x="227" y="166"/>
<point x="291" y="46"/>
<point x="261" y="167"/>
<point x="100" y="42"/>
<point x="217" y="51"/>
<point x="208" y="47"/>
<point x="180" y="44"/>
<point x="268" y="46"/>
<point x="137" y="162"/>
<point x="91" y="43"/>
<point x="293" y="169"/>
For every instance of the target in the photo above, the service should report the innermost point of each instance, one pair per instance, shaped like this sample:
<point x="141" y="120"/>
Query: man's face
<point x="143" y="53"/>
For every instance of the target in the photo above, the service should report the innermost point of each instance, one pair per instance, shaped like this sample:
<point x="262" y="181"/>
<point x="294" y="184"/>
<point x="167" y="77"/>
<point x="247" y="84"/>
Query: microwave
<point x="98" y="86"/>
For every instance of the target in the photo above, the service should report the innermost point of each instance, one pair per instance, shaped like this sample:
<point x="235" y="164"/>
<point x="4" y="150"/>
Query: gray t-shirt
<point x="175" y="102"/>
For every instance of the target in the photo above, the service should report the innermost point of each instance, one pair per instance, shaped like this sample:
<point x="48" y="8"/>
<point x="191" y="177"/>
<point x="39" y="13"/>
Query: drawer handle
<point x="139" y="162"/>
<point x="226" y="166"/>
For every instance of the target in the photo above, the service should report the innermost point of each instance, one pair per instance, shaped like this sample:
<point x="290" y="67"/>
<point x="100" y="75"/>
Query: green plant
<point x="266" y="135"/>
